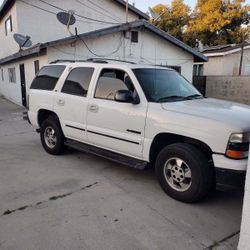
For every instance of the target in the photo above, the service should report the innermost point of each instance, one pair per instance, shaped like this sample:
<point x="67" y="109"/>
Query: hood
<point x="234" y="115"/>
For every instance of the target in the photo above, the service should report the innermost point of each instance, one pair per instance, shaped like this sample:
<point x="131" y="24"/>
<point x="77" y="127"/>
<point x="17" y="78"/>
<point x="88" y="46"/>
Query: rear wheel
<point x="52" y="137"/>
<point x="184" y="172"/>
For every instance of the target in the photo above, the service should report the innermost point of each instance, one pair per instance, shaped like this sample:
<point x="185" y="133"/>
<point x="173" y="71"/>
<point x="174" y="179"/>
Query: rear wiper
<point x="166" y="98"/>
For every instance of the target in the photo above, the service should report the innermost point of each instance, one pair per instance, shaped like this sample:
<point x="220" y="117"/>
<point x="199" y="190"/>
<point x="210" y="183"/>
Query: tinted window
<point x="77" y="82"/>
<point x="47" y="78"/>
<point x="161" y="85"/>
<point x="110" y="81"/>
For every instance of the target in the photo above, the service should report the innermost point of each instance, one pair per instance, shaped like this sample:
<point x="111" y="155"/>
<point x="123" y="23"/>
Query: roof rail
<point x="94" y="60"/>
<point x="62" y="61"/>
<point x="74" y="61"/>
<point x="108" y="59"/>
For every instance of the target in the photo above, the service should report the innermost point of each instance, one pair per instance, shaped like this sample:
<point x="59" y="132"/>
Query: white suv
<point x="142" y="116"/>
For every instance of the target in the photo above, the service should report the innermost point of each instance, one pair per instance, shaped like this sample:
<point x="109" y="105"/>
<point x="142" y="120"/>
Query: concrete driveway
<point x="80" y="201"/>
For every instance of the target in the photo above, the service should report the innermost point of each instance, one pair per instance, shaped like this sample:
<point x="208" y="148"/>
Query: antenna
<point x="126" y="11"/>
<point x="22" y="41"/>
<point x="67" y="19"/>
<point x="155" y="15"/>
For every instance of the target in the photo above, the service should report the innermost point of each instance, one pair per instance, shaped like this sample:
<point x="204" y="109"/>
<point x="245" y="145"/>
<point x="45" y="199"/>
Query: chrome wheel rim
<point x="50" y="137"/>
<point x="178" y="174"/>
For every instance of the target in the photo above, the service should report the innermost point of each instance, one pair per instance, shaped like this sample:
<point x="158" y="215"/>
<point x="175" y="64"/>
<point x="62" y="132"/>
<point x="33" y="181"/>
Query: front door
<point x="112" y="125"/>
<point x="23" y="84"/>
<point x="71" y="103"/>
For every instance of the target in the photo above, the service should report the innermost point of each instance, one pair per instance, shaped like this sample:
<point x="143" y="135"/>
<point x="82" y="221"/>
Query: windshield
<point x="162" y="85"/>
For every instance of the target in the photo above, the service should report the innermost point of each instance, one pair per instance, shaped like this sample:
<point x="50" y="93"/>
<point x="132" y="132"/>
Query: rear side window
<point x="77" y="82"/>
<point x="47" y="78"/>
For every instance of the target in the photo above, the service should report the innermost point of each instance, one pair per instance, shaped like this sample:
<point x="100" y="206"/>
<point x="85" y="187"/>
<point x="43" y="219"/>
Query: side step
<point x="122" y="159"/>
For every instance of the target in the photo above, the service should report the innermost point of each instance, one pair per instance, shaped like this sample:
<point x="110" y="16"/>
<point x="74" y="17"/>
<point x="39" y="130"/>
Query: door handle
<point x="93" y="108"/>
<point x="61" y="102"/>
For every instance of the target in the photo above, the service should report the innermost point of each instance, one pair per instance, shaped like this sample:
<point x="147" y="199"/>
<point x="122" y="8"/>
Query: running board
<point x="115" y="157"/>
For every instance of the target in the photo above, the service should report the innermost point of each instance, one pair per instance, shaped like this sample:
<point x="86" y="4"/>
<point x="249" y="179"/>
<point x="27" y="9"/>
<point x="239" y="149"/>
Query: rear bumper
<point x="228" y="177"/>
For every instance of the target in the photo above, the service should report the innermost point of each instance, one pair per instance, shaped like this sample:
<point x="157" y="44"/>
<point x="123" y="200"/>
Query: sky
<point x="144" y="4"/>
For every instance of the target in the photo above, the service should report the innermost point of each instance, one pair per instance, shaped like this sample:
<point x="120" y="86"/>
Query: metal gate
<point x="200" y="83"/>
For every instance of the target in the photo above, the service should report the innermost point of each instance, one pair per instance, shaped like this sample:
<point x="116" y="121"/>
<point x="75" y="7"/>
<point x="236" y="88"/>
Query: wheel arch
<point x="162" y="140"/>
<point x="43" y="114"/>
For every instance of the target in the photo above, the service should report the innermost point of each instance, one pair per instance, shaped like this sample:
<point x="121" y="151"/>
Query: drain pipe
<point x="244" y="243"/>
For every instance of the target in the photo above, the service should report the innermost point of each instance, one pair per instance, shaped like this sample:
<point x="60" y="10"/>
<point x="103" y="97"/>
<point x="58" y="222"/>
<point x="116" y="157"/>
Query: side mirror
<point x="127" y="96"/>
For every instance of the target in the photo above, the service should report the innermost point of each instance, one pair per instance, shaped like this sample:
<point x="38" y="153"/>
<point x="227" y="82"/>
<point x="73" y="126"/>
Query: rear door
<point x="112" y="125"/>
<point x="71" y="102"/>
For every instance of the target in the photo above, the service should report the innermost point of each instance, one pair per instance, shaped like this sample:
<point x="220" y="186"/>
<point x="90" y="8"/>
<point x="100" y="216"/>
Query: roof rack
<point x="94" y="60"/>
<point x="108" y="59"/>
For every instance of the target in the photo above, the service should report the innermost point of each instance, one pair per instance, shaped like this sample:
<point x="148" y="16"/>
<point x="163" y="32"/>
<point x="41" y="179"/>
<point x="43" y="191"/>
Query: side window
<point x="12" y="75"/>
<point x="36" y="66"/>
<point x="77" y="82"/>
<point x="110" y="81"/>
<point x="47" y="78"/>
<point x="8" y="26"/>
<point x="2" y="75"/>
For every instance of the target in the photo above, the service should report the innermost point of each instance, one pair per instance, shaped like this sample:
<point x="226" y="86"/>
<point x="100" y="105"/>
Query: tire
<point x="184" y="172"/>
<point x="55" y="144"/>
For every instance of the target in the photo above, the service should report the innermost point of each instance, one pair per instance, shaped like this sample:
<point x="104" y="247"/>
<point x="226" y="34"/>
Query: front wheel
<point x="52" y="137"/>
<point x="184" y="172"/>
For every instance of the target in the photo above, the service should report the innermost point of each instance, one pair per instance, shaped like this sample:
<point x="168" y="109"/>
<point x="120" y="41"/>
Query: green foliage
<point x="212" y="21"/>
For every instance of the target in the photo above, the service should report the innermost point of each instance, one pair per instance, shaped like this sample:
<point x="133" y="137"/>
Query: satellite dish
<point x="66" y="18"/>
<point x="155" y="15"/>
<point x="22" y="41"/>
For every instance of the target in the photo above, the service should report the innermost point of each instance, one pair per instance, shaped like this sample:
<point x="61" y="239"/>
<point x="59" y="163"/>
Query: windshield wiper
<point x="194" y="96"/>
<point x="166" y="98"/>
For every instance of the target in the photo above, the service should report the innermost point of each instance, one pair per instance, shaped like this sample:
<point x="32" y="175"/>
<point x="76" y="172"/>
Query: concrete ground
<point x="80" y="201"/>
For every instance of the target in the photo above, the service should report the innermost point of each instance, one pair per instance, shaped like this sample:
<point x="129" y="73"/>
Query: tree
<point x="217" y="21"/>
<point x="174" y="18"/>
<point x="212" y="21"/>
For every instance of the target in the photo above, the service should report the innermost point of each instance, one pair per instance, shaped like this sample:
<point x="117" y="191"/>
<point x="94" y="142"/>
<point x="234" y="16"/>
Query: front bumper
<point x="227" y="177"/>
<point x="230" y="172"/>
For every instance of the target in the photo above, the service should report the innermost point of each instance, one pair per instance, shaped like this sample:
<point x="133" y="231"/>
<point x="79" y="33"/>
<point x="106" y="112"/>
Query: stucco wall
<point x="228" y="65"/>
<point x="12" y="91"/>
<point x="8" y="45"/>
<point x="44" y="27"/>
<point x="233" y="88"/>
<point x="149" y="50"/>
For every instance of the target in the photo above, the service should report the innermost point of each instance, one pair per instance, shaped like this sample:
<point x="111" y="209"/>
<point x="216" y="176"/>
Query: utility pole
<point x="241" y="58"/>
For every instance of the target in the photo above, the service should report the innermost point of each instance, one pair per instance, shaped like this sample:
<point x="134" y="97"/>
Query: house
<point x="225" y="60"/>
<point x="99" y="36"/>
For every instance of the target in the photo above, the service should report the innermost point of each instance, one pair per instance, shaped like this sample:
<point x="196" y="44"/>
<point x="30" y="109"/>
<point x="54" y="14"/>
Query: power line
<point x="54" y="13"/>
<point x="97" y="11"/>
<point x="109" y="54"/>
<point x="105" y="10"/>
<point x="37" y="7"/>
<point x="81" y="16"/>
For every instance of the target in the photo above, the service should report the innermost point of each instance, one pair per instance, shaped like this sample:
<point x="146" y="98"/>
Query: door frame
<point x="23" y="84"/>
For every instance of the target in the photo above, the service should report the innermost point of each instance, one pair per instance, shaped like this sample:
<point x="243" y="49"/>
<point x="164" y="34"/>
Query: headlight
<point x="238" y="146"/>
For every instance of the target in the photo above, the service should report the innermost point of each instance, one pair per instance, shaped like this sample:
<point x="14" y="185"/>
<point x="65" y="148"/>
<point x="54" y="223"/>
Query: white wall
<point x="150" y="50"/>
<point x="228" y="65"/>
<point x="7" y="44"/>
<point x="44" y="27"/>
<point x="12" y="91"/>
